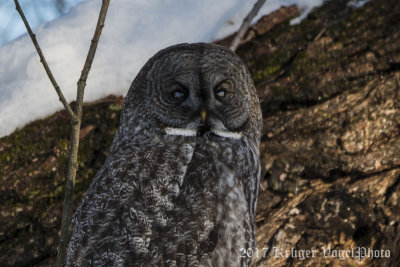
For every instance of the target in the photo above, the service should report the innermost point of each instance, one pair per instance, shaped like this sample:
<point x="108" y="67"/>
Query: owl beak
<point x="203" y="115"/>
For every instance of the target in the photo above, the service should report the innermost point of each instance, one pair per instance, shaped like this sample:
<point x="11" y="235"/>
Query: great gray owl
<point x="179" y="186"/>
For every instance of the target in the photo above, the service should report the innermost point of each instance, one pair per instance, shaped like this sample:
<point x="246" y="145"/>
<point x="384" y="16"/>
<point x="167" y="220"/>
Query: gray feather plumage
<point x="177" y="199"/>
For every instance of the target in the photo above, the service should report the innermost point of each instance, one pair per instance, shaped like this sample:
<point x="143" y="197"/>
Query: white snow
<point x="134" y="31"/>
<point x="357" y="3"/>
<point x="38" y="11"/>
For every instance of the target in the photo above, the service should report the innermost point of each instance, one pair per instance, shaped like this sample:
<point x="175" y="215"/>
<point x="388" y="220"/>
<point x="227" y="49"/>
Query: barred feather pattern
<point x="164" y="199"/>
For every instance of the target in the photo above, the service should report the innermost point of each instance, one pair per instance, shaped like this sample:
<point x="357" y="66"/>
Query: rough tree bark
<point x="330" y="94"/>
<point x="330" y="90"/>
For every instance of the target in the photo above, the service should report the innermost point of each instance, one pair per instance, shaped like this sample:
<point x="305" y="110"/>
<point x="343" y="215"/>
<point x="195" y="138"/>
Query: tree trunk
<point x="330" y="92"/>
<point x="330" y="151"/>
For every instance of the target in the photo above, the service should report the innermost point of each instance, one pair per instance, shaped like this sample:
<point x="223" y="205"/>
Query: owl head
<point x="192" y="90"/>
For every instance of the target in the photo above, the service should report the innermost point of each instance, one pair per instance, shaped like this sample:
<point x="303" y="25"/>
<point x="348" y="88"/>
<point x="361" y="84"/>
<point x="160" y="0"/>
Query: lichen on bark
<point x="330" y="151"/>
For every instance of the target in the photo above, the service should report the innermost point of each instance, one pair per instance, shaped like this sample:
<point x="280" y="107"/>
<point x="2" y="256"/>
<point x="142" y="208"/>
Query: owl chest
<point x="224" y="184"/>
<point x="197" y="202"/>
<point x="214" y="171"/>
<point x="196" y="173"/>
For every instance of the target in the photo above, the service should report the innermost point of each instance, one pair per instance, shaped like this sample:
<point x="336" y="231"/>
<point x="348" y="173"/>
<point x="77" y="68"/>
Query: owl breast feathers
<point x="179" y="186"/>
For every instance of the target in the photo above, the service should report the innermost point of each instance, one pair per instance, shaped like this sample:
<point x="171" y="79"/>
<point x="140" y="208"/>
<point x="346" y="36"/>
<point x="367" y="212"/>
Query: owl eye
<point x="222" y="90"/>
<point x="178" y="94"/>
<point x="220" y="93"/>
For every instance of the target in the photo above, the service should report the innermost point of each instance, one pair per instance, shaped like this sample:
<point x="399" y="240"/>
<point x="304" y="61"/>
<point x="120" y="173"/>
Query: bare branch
<point x="90" y="56"/>
<point x="73" y="159"/>
<point x="44" y="62"/>
<point x="245" y="24"/>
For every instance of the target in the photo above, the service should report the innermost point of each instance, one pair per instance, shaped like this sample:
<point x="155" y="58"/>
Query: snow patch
<point x="357" y="3"/>
<point x="134" y="31"/>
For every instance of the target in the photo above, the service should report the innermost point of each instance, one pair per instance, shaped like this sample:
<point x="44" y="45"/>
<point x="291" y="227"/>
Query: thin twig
<point x="73" y="159"/>
<point x="90" y="56"/>
<point x="45" y="65"/>
<point x="76" y="118"/>
<point x="319" y="34"/>
<point x="245" y="24"/>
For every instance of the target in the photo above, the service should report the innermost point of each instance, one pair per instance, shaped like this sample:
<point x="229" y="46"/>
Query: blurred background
<point x="37" y="12"/>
